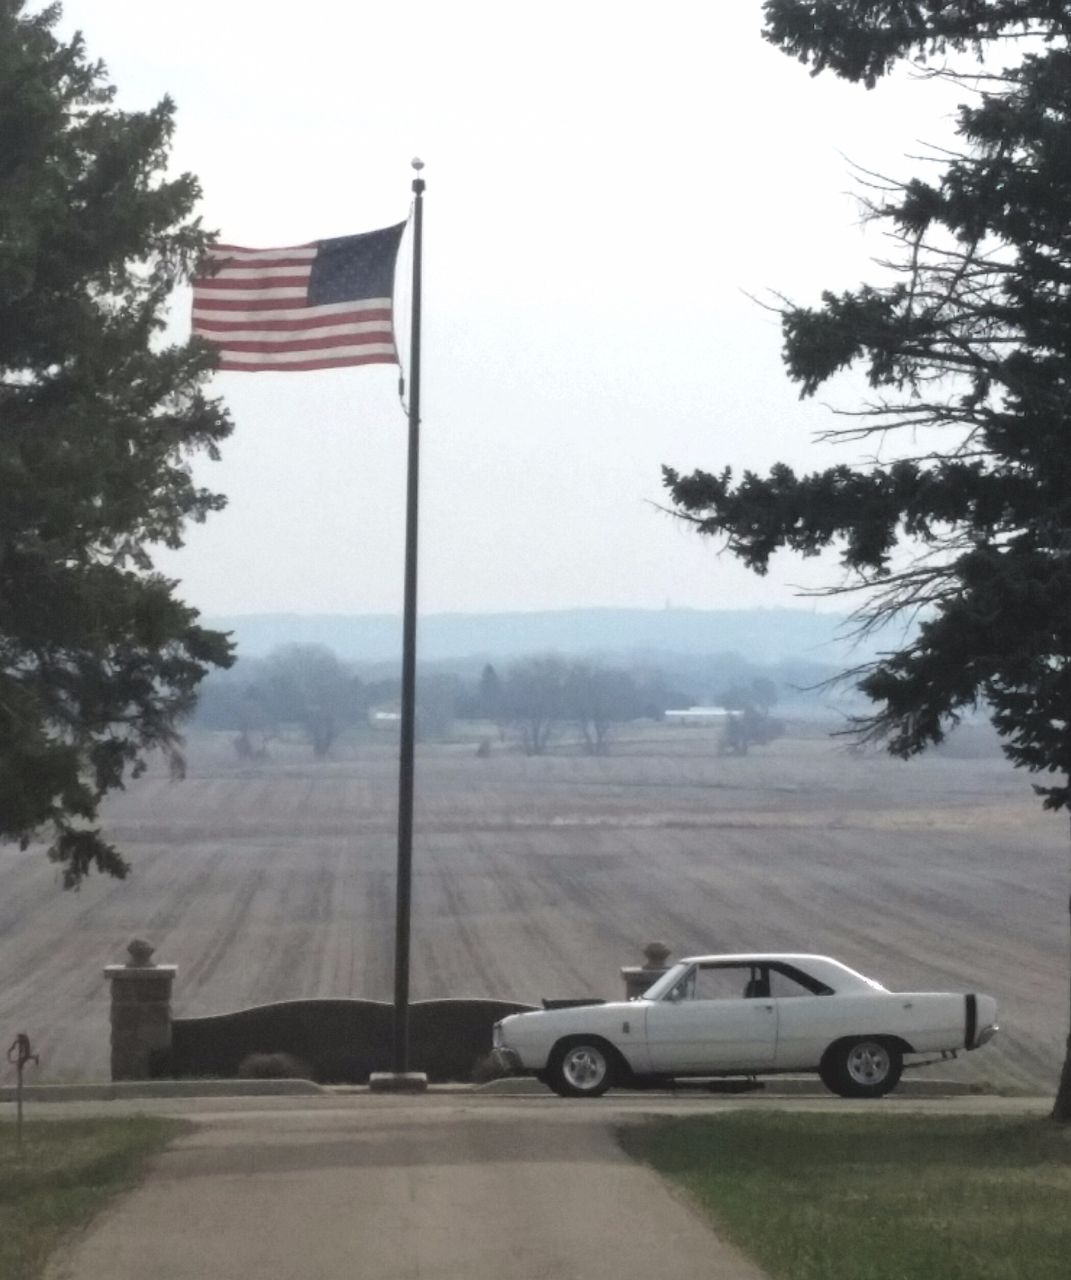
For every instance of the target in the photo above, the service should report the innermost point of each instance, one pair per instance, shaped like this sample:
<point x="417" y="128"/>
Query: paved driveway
<point x="444" y="1186"/>
<point x="390" y="1188"/>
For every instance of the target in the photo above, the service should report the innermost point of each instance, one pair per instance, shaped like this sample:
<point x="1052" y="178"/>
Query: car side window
<point x="787" y="982"/>
<point x="725" y="982"/>
<point x="783" y="987"/>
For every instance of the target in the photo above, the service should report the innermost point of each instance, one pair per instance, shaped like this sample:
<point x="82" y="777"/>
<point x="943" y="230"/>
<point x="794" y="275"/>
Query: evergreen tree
<point x="970" y="337"/>
<point x="98" y="418"/>
<point x="489" y="694"/>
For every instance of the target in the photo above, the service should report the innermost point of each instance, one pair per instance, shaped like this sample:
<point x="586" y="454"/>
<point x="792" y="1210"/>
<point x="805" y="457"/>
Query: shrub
<point x="485" y="1069"/>
<point x="274" y="1066"/>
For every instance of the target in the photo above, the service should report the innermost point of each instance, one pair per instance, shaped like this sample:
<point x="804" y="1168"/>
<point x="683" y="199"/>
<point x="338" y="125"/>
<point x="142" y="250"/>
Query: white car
<point x="744" y="1015"/>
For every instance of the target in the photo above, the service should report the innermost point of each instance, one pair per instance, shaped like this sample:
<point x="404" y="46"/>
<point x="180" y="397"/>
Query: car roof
<point x="744" y="957"/>
<point x="834" y="973"/>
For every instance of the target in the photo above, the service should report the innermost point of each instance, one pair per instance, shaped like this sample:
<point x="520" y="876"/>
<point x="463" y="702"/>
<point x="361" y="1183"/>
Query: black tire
<point x="867" y="1067"/>
<point x="584" y="1067"/>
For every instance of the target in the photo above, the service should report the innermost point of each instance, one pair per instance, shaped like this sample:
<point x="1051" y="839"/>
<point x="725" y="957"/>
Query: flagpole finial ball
<point x="417" y="163"/>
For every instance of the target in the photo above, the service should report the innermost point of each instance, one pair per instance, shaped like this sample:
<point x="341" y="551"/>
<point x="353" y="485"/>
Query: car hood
<point x="585" y="1017"/>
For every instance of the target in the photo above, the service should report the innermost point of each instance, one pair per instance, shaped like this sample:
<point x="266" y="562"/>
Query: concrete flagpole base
<point x="398" y="1082"/>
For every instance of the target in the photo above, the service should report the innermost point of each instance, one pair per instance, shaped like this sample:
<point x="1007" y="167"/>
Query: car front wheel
<point x="580" y="1069"/>
<point x="863" y="1068"/>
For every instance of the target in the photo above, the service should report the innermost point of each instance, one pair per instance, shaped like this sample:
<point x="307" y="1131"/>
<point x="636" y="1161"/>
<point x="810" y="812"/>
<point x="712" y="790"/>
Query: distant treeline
<point x="766" y="636"/>
<point x="529" y="703"/>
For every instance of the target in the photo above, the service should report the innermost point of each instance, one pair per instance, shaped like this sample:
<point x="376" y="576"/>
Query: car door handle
<point x="764" y="1008"/>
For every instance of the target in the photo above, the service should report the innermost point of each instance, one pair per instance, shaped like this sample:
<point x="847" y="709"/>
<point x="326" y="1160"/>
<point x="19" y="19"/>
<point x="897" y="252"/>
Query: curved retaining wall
<point x="342" y="1041"/>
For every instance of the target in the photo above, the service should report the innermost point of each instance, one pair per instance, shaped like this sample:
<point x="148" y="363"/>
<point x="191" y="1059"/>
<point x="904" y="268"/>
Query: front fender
<point x="532" y="1036"/>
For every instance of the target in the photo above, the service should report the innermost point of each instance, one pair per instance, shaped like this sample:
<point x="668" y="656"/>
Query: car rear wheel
<point x="865" y="1068"/>
<point x="581" y="1069"/>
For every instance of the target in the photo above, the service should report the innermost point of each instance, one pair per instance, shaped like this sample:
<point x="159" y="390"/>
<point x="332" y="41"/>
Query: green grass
<point x="67" y="1171"/>
<point x="847" y="1197"/>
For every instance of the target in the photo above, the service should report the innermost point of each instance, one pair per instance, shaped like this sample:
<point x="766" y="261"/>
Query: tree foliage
<point x="534" y="695"/>
<point x="541" y="694"/>
<point x="966" y="342"/>
<point x="489" y="702"/>
<point x="307" y="685"/>
<point x="298" y="687"/>
<point x="760" y="692"/>
<point x="973" y="339"/>
<point x="99" y="417"/>
<point x="438" y="695"/>
<point x="597" y="698"/>
<point x="751" y="724"/>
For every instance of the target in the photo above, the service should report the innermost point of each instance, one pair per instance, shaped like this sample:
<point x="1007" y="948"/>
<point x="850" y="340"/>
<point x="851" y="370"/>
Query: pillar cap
<point x="130" y="974"/>
<point x="140" y="953"/>
<point x="656" y="953"/>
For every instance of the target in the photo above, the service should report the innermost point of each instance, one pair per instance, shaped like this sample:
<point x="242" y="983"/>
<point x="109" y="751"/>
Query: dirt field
<point x="539" y="877"/>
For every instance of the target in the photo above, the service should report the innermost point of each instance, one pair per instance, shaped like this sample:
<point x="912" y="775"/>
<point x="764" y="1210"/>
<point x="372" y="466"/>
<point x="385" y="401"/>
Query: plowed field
<point x="543" y="876"/>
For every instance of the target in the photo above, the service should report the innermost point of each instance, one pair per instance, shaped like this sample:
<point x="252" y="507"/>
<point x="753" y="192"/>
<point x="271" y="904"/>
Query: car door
<point x="713" y="1020"/>
<point x="807" y="1016"/>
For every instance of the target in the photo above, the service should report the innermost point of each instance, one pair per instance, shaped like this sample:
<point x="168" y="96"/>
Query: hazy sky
<point x="606" y="183"/>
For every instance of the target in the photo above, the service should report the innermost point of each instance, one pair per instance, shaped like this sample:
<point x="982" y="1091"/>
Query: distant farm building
<point x="700" y="717"/>
<point x="384" y="719"/>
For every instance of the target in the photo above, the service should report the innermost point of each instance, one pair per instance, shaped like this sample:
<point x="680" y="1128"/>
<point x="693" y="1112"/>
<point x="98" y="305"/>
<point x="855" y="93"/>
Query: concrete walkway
<point x="397" y="1188"/>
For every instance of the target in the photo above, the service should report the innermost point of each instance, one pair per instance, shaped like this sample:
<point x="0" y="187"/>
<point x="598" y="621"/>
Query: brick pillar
<point x="639" y="977"/>
<point x="141" y="1012"/>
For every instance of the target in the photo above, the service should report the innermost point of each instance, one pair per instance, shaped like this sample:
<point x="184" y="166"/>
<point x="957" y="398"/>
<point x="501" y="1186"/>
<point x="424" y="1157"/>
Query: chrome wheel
<point x="585" y="1068"/>
<point x="868" y="1063"/>
<point x="582" y="1067"/>
<point x="864" y="1068"/>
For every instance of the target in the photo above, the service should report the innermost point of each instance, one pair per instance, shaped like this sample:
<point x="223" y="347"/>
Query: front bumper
<point x="506" y="1060"/>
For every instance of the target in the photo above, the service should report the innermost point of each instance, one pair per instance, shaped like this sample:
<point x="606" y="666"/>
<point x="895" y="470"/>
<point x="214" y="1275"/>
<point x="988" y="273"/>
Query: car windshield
<point x="666" y="982"/>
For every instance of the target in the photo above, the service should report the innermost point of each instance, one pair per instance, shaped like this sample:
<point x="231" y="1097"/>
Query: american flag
<point x="309" y="306"/>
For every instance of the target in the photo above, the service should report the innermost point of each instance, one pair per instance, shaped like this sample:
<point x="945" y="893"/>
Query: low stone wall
<point x="342" y="1041"/>
<point x="337" y="1041"/>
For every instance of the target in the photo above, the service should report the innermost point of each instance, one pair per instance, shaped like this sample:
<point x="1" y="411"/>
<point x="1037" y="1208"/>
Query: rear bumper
<point x="981" y="1020"/>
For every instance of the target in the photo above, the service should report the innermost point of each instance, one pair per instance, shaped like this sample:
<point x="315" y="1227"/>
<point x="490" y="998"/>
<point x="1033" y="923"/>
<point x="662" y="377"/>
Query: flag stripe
<point x="287" y="331"/>
<point x="221" y="291"/>
<point x="235" y="277"/>
<point x="293" y="357"/>
<point x="209" y="323"/>
<point x="225" y="310"/>
<point x="222" y="322"/>
<point x="226" y="261"/>
<point x="270" y="347"/>
<point x="299" y="252"/>
<point x="299" y="306"/>
<point x="338" y="358"/>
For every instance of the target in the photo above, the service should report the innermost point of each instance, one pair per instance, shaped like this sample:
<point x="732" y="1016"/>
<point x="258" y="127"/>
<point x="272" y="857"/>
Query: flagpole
<point x="408" y="724"/>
